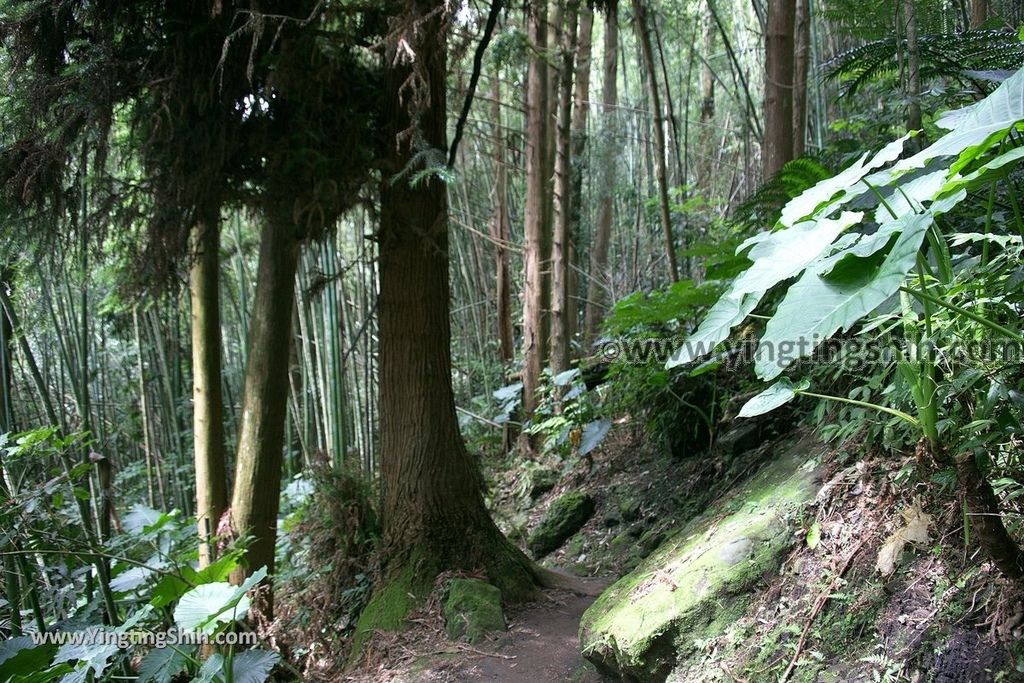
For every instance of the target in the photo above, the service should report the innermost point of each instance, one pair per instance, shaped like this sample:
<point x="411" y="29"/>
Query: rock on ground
<point x="696" y="583"/>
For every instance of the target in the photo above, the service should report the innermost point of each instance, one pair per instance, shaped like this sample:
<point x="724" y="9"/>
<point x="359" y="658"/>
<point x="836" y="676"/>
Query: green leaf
<point x="911" y="196"/>
<point x="248" y="666"/>
<point x="221" y="602"/>
<point x="784" y="254"/>
<point x="162" y="664"/>
<point x="593" y="434"/>
<point x="811" y="201"/>
<point x="90" y="657"/>
<point x="816" y="307"/>
<point x="813" y="538"/>
<point x="20" y="656"/>
<point x="778" y="394"/>
<point x="565" y="378"/>
<point x="136" y="521"/>
<point x="169" y="588"/>
<point x="981" y="128"/>
<point x="714" y="329"/>
<point x="207" y="606"/>
<point x="253" y="666"/>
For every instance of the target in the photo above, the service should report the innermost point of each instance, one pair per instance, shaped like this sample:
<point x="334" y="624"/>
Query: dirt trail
<point x="541" y="646"/>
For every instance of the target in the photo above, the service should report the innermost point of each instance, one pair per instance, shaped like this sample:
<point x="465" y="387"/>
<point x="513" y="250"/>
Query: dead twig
<point x="482" y="653"/>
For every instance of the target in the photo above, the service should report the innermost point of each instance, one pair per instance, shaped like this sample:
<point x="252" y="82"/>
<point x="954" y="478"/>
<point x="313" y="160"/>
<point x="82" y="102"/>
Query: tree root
<point x="549" y="578"/>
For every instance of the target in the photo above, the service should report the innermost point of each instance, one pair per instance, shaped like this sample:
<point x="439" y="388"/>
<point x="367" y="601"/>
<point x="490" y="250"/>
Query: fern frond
<point x="761" y="209"/>
<point x="959" y="56"/>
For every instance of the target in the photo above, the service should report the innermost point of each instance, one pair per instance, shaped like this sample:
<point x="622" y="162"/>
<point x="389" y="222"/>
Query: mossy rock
<point x="565" y="517"/>
<point x="472" y="609"/>
<point x="698" y="582"/>
<point x="541" y="480"/>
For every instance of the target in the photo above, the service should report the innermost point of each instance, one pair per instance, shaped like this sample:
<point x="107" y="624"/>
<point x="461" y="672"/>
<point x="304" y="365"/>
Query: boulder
<point x="697" y="582"/>
<point x="566" y="515"/>
<point x="472" y="609"/>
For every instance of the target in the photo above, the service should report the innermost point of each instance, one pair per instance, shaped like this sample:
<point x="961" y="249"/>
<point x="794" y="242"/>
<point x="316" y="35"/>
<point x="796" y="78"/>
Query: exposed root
<point x="549" y="578"/>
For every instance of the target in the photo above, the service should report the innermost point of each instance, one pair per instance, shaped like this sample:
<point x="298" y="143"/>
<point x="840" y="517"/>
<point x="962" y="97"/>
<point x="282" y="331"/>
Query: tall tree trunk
<point x="644" y="38"/>
<point x="580" y="115"/>
<point x="144" y="411"/>
<point x="434" y="514"/>
<point x="500" y="232"/>
<point x="979" y="13"/>
<point x="257" y="485"/>
<point x="536" y="229"/>
<point x="6" y="357"/>
<point x="777" y="147"/>
<point x="207" y="402"/>
<point x="913" y="66"/>
<point x="563" y="198"/>
<point x="606" y="176"/>
<point x="705" y="167"/>
<point x="801" y="69"/>
<point x="500" y="236"/>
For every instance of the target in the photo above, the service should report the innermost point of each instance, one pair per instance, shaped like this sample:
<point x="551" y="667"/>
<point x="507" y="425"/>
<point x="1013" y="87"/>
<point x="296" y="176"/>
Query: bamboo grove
<point x="236" y="234"/>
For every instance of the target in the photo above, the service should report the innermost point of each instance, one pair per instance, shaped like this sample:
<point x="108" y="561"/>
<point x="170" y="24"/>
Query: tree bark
<point x="536" y="230"/>
<point x="434" y="514"/>
<point x="986" y="520"/>
<point x="500" y="232"/>
<point x="148" y="455"/>
<point x="644" y="38"/>
<point x="801" y="69"/>
<point x="257" y="485"/>
<point x="6" y="357"/>
<point x="979" y="13"/>
<point x="596" y="296"/>
<point x="207" y="401"/>
<point x="777" y="148"/>
<point x="563" y="199"/>
<point x="580" y="115"/>
<point x="913" y="66"/>
<point x="706" y="136"/>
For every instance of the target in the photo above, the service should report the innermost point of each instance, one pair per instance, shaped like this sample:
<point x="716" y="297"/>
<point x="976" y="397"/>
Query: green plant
<point x="152" y="582"/>
<point x="900" y="263"/>
<point x="567" y="416"/>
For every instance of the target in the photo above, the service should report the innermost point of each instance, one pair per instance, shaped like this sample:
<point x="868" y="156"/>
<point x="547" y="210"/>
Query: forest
<point x="465" y="340"/>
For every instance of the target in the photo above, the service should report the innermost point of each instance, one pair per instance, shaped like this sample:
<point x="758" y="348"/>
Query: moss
<point x="694" y="586"/>
<point x="575" y="545"/>
<point x="389" y="607"/>
<point x="472" y="609"/>
<point x="565" y="517"/>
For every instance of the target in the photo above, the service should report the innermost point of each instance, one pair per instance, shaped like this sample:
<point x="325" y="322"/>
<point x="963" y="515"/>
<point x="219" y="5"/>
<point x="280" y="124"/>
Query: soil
<point x="541" y="645"/>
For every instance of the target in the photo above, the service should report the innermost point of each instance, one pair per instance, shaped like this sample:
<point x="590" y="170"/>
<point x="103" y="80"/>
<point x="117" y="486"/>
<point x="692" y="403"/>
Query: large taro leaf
<point x="775" y="396"/>
<point x="206" y="606"/>
<point x="910" y="196"/>
<point x="163" y="664"/>
<point x="714" y="329"/>
<point x="985" y="124"/>
<point x="785" y="253"/>
<point x="811" y="201"/>
<point x="248" y="666"/>
<point x="819" y="305"/>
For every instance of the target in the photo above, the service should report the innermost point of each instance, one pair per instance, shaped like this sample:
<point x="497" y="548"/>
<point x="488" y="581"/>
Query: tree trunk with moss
<point x="434" y="514"/>
<point x="257" y="485"/>
<point x="207" y="403"/>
